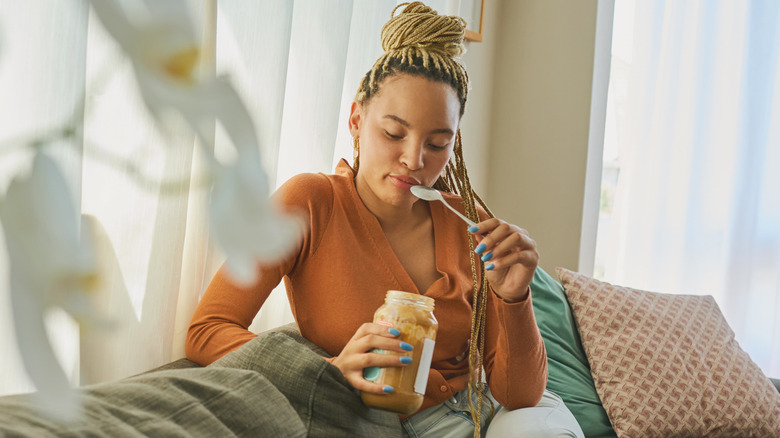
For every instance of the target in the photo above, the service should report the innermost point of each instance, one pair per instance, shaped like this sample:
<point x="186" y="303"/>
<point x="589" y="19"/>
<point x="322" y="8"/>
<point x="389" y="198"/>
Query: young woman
<point x="369" y="234"/>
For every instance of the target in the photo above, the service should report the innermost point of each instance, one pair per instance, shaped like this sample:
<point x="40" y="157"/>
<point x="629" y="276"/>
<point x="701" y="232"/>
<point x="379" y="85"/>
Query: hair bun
<point x="419" y="26"/>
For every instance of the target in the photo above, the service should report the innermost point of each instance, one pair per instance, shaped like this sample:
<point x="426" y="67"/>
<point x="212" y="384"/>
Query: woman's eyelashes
<point x="400" y="137"/>
<point x="394" y="137"/>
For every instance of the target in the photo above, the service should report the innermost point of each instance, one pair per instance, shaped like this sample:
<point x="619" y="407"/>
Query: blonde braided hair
<point x="420" y="42"/>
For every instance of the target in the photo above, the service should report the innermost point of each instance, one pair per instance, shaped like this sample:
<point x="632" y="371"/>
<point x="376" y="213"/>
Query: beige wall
<point x="476" y="124"/>
<point x="530" y="163"/>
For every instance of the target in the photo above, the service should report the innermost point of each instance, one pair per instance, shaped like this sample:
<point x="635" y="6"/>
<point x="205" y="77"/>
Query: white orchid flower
<point x="164" y="52"/>
<point x="50" y="266"/>
<point x="163" y="48"/>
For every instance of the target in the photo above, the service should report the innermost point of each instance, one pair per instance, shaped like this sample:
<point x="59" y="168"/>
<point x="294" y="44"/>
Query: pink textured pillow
<point x="668" y="365"/>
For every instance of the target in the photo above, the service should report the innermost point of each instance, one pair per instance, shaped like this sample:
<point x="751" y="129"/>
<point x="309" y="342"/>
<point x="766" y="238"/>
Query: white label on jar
<point x="425" y="365"/>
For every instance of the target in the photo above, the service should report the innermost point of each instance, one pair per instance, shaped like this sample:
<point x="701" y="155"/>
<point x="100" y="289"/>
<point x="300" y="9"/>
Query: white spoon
<point x="429" y="194"/>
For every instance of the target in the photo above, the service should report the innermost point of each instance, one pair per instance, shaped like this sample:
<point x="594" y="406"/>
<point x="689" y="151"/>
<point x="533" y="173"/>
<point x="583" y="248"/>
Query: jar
<point x="412" y="315"/>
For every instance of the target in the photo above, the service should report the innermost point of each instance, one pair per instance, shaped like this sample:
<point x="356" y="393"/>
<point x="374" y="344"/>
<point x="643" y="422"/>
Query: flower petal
<point x="116" y="22"/>
<point x="245" y="223"/>
<point x="47" y="265"/>
<point x="54" y="397"/>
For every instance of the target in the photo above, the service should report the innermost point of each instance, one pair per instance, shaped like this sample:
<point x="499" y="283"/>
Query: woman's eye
<point x="437" y="147"/>
<point x="395" y="137"/>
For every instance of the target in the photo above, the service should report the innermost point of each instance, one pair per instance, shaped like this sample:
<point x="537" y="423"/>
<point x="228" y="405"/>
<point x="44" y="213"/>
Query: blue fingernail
<point x="489" y="267"/>
<point x="487" y="257"/>
<point x="407" y="347"/>
<point x="394" y="332"/>
<point x="387" y="389"/>
<point x="481" y="247"/>
<point x="473" y="229"/>
<point x="406" y="360"/>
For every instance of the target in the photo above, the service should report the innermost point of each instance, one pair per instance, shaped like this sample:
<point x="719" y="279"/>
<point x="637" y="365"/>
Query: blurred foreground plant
<point x="52" y="262"/>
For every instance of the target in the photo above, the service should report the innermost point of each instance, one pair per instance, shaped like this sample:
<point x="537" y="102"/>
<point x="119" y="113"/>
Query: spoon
<point x="428" y="194"/>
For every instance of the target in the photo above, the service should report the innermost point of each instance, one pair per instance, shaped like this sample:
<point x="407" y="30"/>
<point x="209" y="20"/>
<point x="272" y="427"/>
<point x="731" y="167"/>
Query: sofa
<point x="626" y="363"/>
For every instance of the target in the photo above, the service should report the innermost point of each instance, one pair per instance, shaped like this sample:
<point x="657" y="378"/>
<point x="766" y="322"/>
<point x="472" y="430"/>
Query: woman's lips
<point x="403" y="181"/>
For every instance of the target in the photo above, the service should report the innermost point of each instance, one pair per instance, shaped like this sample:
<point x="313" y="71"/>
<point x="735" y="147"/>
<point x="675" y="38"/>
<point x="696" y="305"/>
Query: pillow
<point x="668" y="365"/>
<point x="569" y="372"/>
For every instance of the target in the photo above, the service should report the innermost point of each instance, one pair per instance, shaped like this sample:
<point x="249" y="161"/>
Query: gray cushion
<point x="777" y="383"/>
<point x="199" y="402"/>
<point x="327" y="405"/>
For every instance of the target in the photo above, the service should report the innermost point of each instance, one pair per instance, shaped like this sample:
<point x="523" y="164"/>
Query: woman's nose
<point x="412" y="156"/>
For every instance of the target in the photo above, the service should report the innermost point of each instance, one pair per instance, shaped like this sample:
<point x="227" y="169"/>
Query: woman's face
<point x="406" y="133"/>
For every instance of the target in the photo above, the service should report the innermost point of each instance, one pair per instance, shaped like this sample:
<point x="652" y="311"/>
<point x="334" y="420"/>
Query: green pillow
<point x="569" y="371"/>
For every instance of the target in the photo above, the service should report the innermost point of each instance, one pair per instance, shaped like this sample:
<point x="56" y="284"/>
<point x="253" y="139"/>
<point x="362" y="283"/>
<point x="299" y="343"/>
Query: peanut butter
<point x="412" y="315"/>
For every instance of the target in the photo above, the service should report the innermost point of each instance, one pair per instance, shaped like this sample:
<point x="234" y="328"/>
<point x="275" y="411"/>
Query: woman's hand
<point x="357" y="355"/>
<point x="509" y="255"/>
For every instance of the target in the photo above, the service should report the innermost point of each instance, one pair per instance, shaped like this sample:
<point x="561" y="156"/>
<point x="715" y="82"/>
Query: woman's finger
<point x="364" y="385"/>
<point x="527" y="258"/>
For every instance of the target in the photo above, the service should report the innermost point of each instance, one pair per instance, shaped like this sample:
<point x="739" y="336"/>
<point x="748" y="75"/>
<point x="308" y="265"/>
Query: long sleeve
<point x="515" y="357"/>
<point x="221" y="321"/>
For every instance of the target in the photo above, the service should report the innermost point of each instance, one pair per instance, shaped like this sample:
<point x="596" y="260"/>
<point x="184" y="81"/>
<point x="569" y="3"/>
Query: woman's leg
<point x="549" y="418"/>
<point x="450" y="419"/>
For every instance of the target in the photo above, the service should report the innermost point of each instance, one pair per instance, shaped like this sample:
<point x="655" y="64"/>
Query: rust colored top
<point x="340" y="275"/>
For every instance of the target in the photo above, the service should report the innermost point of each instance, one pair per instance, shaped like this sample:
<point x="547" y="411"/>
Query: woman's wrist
<point x="514" y="299"/>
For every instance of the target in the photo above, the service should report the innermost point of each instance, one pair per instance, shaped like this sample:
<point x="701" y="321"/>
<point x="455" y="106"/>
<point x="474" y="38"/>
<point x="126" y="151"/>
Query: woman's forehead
<point x="412" y="97"/>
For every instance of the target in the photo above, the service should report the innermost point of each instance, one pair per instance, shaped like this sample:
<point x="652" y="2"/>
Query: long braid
<point x="420" y="42"/>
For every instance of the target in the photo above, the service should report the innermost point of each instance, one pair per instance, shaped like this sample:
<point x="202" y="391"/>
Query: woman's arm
<point x="515" y="358"/>
<point x="221" y="320"/>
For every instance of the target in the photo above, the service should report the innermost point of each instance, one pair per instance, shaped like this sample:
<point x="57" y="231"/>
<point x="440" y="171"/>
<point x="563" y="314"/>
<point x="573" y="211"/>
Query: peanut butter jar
<point x="412" y="315"/>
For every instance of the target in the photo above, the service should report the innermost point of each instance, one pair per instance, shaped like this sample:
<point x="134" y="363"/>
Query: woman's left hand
<point x="509" y="255"/>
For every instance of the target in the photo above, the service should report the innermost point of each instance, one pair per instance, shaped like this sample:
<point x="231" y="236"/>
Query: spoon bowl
<point x="430" y="194"/>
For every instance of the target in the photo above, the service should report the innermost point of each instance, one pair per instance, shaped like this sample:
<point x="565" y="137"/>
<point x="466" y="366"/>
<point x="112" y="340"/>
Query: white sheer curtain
<point x="297" y="66"/>
<point x="694" y="129"/>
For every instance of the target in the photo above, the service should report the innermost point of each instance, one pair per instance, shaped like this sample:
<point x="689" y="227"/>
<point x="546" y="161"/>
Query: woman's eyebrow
<point x="408" y="125"/>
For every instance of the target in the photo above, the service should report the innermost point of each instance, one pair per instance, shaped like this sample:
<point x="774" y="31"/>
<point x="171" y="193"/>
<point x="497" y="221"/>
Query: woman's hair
<point x="420" y="42"/>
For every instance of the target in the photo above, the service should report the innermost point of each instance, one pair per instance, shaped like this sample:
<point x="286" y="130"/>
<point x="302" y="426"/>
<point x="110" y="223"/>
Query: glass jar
<point x="412" y="315"/>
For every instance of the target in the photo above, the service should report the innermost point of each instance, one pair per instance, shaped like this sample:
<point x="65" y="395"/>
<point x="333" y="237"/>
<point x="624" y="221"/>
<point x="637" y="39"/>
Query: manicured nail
<point x="406" y="360"/>
<point x="407" y="347"/>
<point x="387" y="389"/>
<point x="394" y="332"/>
<point x="489" y="267"/>
<point x="481" y="247"/>
<point x="487" y="257"/>
<point x="473" y="229"/>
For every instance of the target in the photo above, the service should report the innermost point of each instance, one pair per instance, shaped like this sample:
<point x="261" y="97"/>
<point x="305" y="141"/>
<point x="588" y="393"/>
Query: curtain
<point x="692" y="160"/>
<point x="296" y="65"/>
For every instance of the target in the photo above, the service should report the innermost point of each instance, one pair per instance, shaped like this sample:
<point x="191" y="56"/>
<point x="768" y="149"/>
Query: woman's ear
<point x="355" y="113"/>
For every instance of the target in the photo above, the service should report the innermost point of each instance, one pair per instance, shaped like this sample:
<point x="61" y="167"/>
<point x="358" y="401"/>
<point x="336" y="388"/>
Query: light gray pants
<point x="549" y="418"/>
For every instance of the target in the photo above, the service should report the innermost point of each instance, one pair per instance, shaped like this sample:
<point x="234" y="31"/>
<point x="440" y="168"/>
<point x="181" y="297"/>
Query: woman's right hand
<point x="357" y="355"/>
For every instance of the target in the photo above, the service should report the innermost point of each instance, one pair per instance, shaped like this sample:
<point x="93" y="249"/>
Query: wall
<point x="539" y="121"/>
<point x="476" y="124"/>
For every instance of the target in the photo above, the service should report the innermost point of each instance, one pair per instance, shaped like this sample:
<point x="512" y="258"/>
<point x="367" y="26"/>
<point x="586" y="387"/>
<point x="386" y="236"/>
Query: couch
<point x="570" y="375"/>
<point x="602" y="391"/>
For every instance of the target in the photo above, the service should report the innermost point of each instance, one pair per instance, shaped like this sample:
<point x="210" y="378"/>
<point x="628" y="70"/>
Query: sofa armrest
<point x="776" y="382"/>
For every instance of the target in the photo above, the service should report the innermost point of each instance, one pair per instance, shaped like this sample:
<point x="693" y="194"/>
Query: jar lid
<point x="417" y="298"/>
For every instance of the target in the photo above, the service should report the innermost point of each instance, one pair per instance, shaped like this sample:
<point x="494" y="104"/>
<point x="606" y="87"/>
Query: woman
<point x="369" y="234"/>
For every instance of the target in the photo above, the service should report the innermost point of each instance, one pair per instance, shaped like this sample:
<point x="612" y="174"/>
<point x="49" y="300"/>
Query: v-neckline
<point x="377" y="235"/>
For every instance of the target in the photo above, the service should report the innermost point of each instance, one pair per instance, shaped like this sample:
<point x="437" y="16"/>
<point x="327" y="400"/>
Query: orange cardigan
<point x="339" y="277"/>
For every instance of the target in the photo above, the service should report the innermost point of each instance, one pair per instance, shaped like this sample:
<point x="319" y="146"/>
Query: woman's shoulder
<point x="316" y="186"/>
<point x="306" y="190"/>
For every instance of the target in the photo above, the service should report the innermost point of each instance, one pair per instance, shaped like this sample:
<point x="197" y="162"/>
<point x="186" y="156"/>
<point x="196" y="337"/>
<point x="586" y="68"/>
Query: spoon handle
<point x="468" y="221"/>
